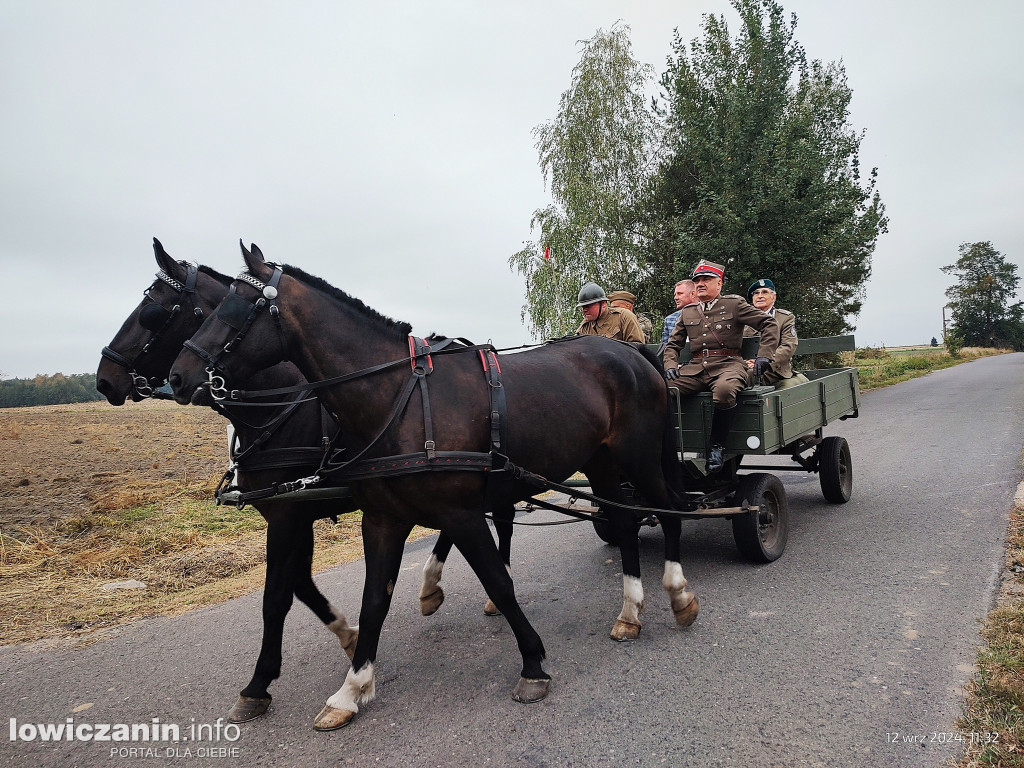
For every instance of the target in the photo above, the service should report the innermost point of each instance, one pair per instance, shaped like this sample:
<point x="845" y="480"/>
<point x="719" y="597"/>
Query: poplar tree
<point x="764" y="176"/>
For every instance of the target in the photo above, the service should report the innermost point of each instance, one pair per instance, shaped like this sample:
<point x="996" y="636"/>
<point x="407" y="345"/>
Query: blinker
<point x="153" y="317"/>
<point x="234" y="310"/>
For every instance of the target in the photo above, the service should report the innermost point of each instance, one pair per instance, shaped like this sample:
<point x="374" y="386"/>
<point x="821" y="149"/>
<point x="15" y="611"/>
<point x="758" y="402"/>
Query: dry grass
<point x="882" y="367"/>
<point x="995" y="698"/>
<point x="91" y="494"/>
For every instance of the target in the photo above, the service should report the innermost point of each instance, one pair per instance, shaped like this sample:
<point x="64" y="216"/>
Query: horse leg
<point x="503" y="527"/>
<point x="306" y="590"/>
<point x="604" y="481"/>
<point x="383" y="544"/>
<point x="431" y="594"/>
<point x="649" y="478"/>
<point x="473" y="538"/>
<point x="254" y="699"/>
<point x="685" y="604"/>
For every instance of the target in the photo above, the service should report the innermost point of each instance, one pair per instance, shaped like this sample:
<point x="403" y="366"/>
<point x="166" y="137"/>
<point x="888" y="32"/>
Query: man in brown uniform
<point x="762" y="295"/>
<point x="713" y="328"/>
<point x="626" y="300"/>
<point x="601" y="320"/>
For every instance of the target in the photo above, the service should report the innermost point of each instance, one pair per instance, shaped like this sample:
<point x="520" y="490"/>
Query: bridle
<point x="156" y="319"/>
<point x="239" y="313"/>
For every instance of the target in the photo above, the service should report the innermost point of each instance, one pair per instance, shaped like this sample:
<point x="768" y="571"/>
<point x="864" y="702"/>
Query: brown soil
<point x="59" y="461"/>
<point x="92" y="494"/>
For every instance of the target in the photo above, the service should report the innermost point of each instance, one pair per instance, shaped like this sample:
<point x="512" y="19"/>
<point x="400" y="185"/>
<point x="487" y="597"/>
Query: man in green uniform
<point x="599" y="319"/>
<point x="626" y="300"/>
<point x="762" y="295"/>
<point x="713" y="328"/>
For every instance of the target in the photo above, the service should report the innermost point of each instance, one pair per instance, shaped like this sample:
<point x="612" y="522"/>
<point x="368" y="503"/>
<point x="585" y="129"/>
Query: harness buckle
<point x="216" y="385"/>
<point x="429" y="448"/>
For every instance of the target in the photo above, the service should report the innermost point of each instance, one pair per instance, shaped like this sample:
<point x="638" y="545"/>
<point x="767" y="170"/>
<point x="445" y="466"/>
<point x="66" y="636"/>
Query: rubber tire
<point x="835" y="469"/>
<point x="757" y="543"/>
<point x="604" y="532"/>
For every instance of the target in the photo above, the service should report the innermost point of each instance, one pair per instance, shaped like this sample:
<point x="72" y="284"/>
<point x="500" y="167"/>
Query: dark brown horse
<point x="137" y="362"/>
<point x="591" y="403"/>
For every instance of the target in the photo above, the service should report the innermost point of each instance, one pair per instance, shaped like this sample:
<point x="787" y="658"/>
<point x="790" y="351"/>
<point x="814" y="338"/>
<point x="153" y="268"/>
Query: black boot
<point x="721" y="423"/>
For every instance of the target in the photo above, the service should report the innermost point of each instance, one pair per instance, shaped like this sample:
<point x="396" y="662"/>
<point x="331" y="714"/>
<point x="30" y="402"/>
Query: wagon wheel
<point x="835" y="469"/>
<point x="604" y="532"/>
<point x="761" y="534"/>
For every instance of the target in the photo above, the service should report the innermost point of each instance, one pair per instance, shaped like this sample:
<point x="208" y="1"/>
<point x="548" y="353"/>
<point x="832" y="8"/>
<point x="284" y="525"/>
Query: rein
<point x="156" y="319"/>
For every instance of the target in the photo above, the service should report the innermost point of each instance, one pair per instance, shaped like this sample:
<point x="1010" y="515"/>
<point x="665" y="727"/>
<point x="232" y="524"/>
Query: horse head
<point x="140" y="355"/>
<point x="241" y="337"/>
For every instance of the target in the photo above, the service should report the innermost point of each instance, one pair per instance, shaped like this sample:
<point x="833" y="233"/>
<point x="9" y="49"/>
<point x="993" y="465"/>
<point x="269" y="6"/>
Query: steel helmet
<point x="590" y="293"/>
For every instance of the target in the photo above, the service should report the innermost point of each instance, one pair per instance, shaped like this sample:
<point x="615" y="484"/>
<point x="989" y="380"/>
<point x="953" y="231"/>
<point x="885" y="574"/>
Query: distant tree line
<point x="49" y="390"/>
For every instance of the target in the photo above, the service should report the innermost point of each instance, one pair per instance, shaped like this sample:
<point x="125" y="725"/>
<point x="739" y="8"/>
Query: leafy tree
<point x="980" y="301"/>
<point x="598" y="155"/>
<point x="764" y="175"/>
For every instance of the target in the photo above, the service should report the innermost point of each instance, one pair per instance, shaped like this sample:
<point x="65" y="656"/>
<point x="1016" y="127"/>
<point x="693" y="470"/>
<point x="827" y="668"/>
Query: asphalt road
<point x="851" y="650"/>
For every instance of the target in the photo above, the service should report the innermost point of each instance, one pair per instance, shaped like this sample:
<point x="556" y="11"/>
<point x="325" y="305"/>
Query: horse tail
<point x="670" y="466"/>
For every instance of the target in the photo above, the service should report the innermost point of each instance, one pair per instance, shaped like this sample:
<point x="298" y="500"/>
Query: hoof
<point x="430" y="603"/>
<point x="331" y="719"/>
<point x="248" y="708"/>
<point x="528" y="691"/>
<point x="625" y="630"/>
<point x="686" y="616"/>
<point x="491" y="609"/>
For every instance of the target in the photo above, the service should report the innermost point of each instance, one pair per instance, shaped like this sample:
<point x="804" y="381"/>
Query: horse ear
<point x="254" y="260"/>
<point x="164" y="260"/>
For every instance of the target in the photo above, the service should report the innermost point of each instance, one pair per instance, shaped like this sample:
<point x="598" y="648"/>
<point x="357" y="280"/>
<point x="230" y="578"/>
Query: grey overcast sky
<point x="387" y="148"/>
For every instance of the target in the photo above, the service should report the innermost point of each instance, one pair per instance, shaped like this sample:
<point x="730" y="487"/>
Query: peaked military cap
<point x="622" y="296"/>
<point x="705" y="267"/>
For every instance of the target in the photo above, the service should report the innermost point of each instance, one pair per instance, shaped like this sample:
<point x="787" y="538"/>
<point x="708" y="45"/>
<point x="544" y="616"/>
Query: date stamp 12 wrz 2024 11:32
<point x="942" y="737"/>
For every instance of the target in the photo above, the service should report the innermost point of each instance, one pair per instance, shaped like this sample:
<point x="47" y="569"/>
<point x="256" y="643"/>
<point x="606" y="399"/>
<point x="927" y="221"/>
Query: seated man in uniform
<point x="601" y="320"/>
<point x="684" y="293"/>
<point x="713" y="327"/>
<point x="626" y="300"/>
<point x="762" y="295"/>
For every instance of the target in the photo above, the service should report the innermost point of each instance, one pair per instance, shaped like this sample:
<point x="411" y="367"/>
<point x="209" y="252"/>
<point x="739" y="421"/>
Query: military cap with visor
<point x="622" y="296"/>
<point x="705" y="267"/>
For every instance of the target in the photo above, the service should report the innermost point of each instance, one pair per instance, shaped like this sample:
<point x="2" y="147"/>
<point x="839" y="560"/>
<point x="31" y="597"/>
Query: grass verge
<point x="994" y="705"/>
<point x="881" y="367"/>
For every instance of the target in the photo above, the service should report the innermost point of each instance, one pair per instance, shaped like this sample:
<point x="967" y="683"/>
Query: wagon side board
<point x="769" y="419"/>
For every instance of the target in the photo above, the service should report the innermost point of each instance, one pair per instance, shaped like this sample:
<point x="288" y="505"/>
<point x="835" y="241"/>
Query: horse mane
<point x="223" y="279"/>
<point x="396" y="327"/>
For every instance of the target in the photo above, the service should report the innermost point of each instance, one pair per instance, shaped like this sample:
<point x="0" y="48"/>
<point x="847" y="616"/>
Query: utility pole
<point x="944" y="323"/>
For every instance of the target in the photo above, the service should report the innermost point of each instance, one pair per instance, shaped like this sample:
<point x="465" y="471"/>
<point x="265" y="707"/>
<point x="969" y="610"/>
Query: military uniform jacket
<point x="782" y="363"/>
<point x="615" y="323"/>
<point x="720" y="327"/>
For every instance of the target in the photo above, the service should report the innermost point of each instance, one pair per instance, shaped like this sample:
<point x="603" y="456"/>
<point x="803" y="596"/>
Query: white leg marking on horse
<point x="346" y="635"/>
<point x="359" y="688"/>
<point x="431" y="575"/>
<point x="674" y="581"/>
<point x="679" y="596"/>
<point x="633" y="599"/>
